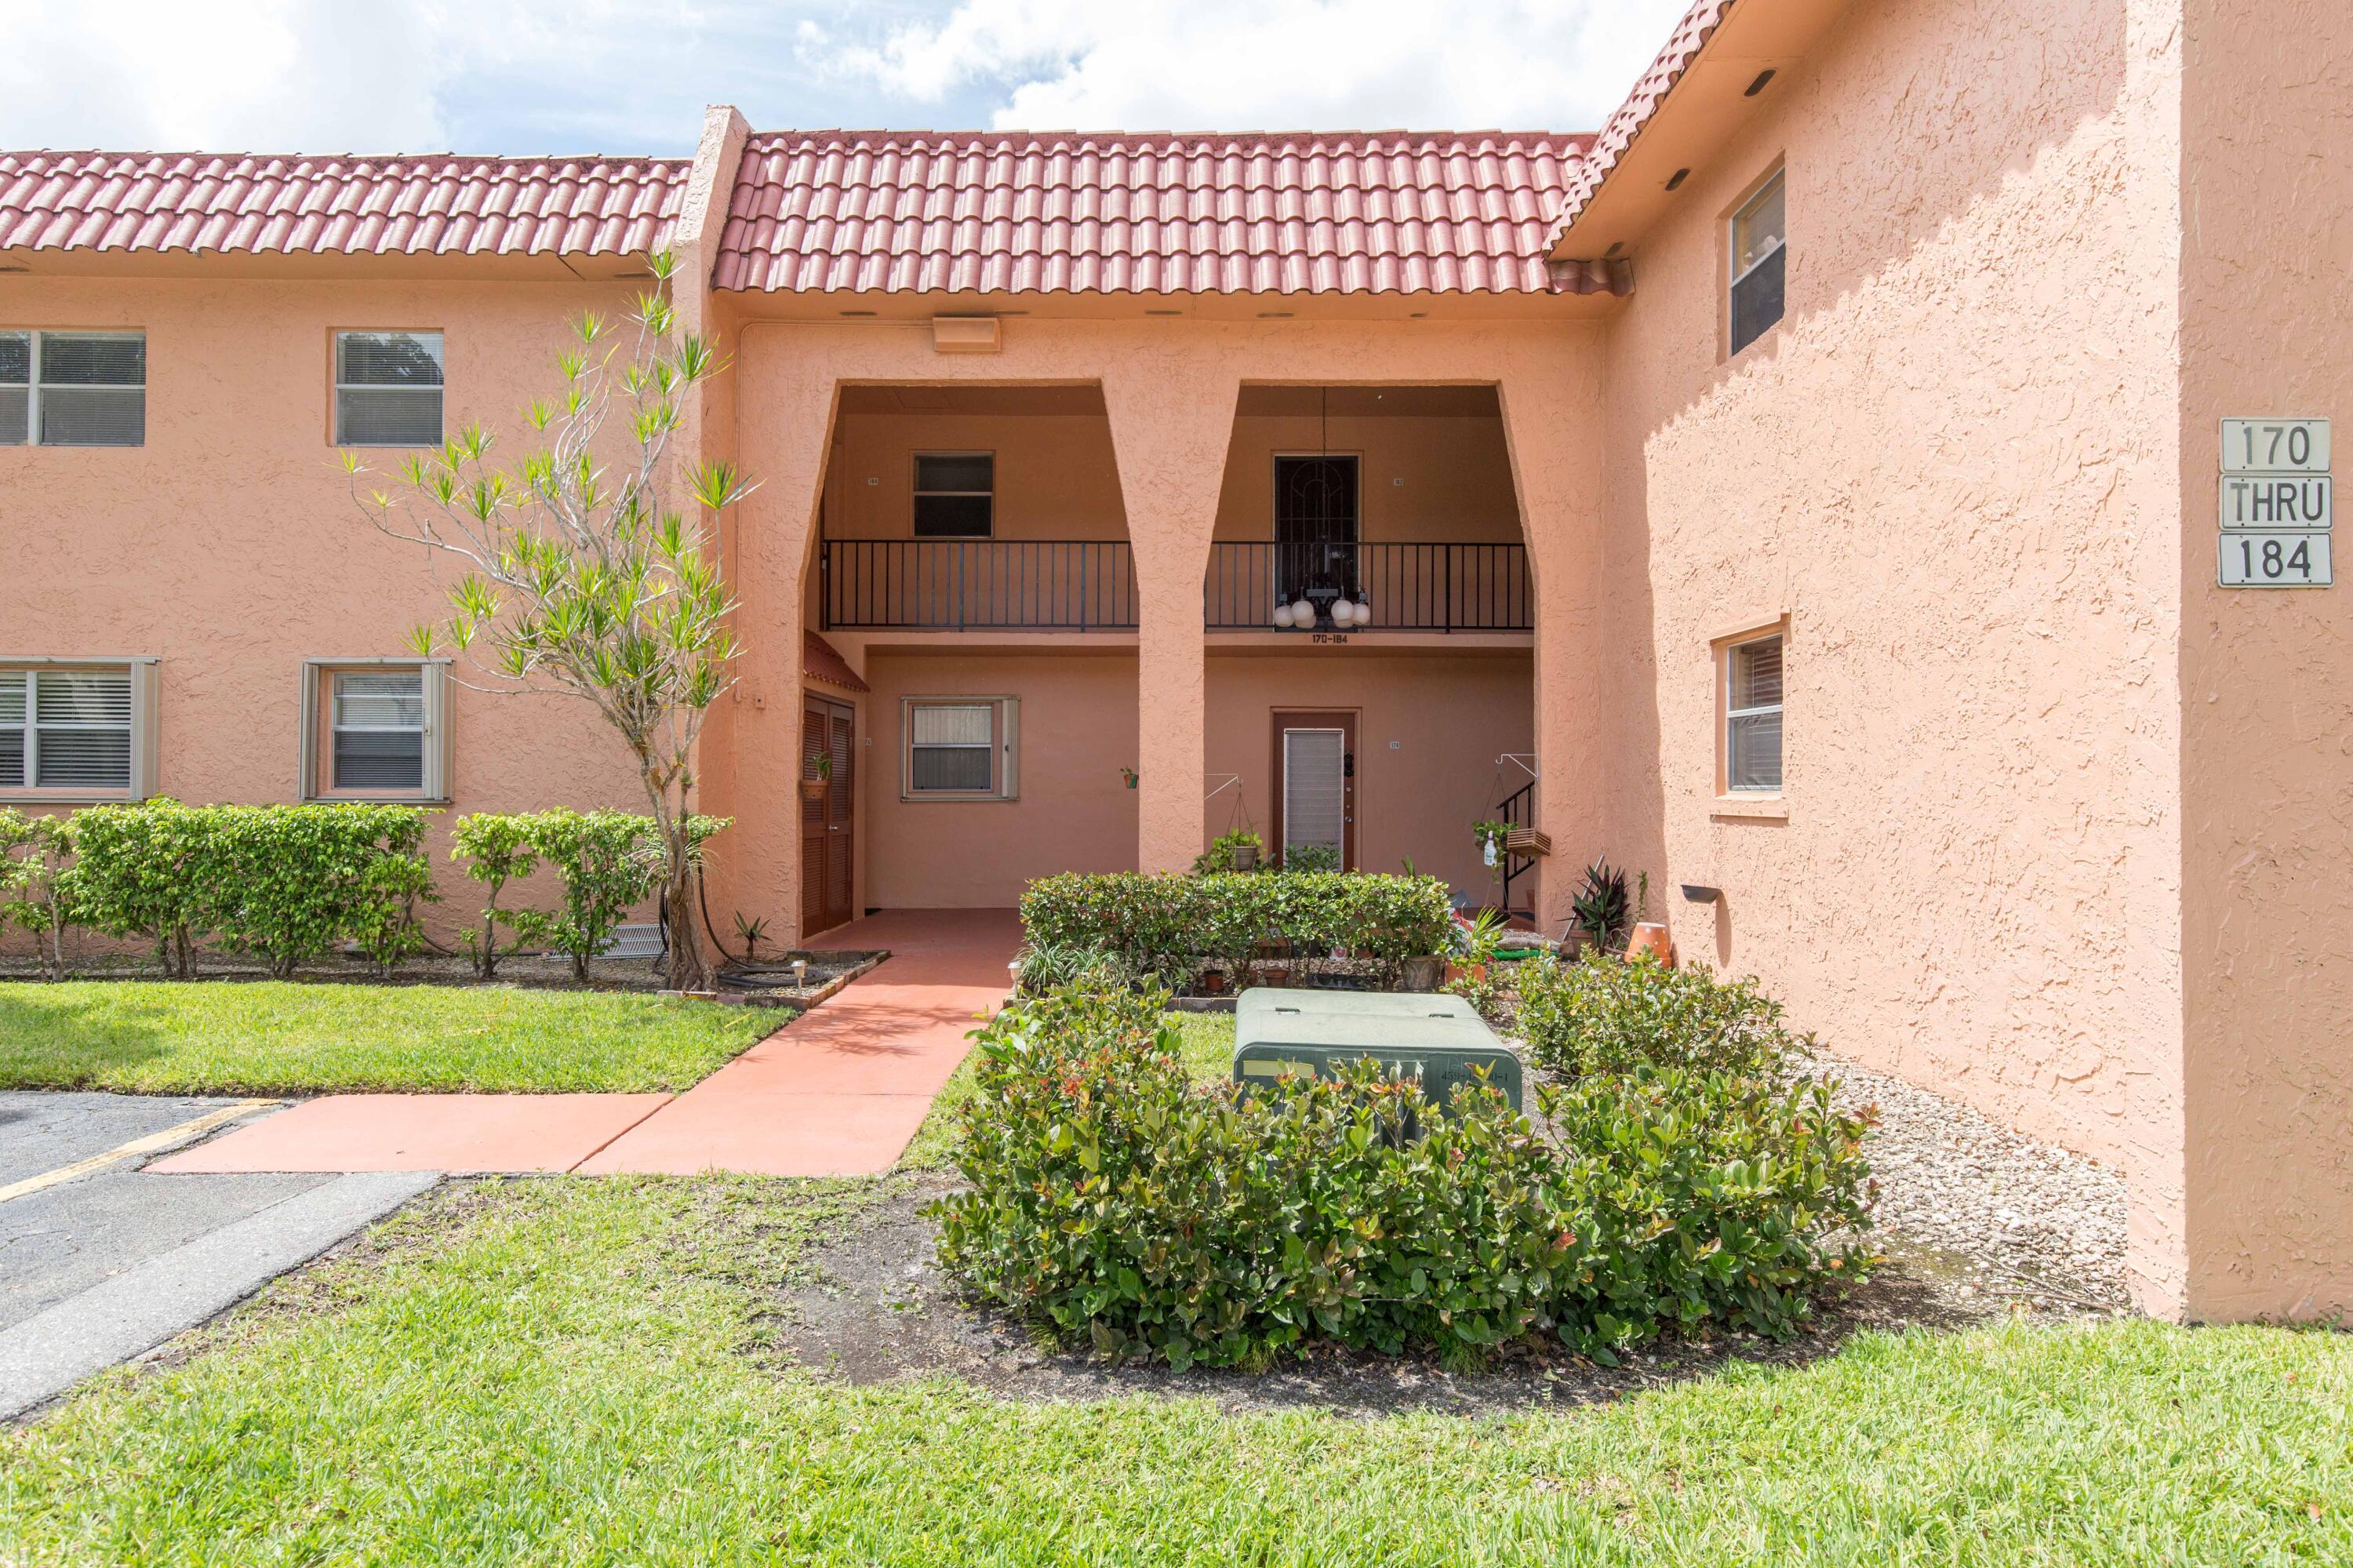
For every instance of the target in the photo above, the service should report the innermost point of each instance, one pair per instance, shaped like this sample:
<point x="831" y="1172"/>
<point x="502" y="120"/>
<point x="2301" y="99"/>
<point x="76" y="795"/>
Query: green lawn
<point x="563" y="1381"/>
<point x="267" y="1037"/>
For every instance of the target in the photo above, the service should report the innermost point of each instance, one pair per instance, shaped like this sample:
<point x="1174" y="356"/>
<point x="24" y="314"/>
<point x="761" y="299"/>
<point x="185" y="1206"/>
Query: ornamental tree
<point x="580" y="575"/>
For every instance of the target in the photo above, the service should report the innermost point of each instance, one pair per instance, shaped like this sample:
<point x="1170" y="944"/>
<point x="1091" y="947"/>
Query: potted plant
<point x="1236" y="851"/>
<point x="817" y="776"/>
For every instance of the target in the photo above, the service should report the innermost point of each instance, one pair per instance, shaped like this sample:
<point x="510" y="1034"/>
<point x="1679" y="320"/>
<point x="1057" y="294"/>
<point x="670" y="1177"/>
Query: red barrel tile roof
<point x="440" y="205"/>
<point x="1618" y="133"/>
<point x="1038" y="212"/>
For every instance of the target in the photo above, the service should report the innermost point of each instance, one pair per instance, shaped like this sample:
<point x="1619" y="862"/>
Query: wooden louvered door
<point x="828" y="730"/>
<point x="1316" y="785"/>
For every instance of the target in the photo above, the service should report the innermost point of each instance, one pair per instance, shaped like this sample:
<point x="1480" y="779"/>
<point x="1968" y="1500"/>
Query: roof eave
<point x="1698" y="117"/>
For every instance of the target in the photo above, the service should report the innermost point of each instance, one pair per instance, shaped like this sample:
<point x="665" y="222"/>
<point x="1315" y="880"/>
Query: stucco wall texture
<point x="229" y="547"/>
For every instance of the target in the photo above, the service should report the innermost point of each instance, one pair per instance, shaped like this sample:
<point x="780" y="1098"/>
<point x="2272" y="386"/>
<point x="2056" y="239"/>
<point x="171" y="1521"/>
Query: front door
<point x="1315" y="528"/>
<point x="829" y="731"/>
<point x="1316" y="787"/>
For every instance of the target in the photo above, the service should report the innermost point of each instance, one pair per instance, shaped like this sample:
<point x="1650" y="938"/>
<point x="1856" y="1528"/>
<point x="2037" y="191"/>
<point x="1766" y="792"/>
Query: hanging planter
<point x="1245" y="857"/>
<point x="818" y="780"/>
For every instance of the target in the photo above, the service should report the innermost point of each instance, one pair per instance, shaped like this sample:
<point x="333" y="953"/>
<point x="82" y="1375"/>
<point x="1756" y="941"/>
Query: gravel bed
<point x="1975" y="1196"/>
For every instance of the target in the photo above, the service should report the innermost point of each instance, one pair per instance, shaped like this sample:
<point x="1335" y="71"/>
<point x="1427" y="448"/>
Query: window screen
<point x="1752" y="755"/>
<point x="387" y="389"/>
<point x="955" y="495"/>
<point x="90" y="389"/>
<point x="1314" y="785"/>
<point x="12" y="730"/>
<point x="378" y="726"/>
<point x="1760" y="252"/>
<point x="951" y="748"/>
<point x="16" y="387"/>
<point x="67" y="730"/>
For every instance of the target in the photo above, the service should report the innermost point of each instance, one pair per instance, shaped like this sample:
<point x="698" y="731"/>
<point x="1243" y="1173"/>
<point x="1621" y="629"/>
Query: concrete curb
<point x="141" y="1307"/>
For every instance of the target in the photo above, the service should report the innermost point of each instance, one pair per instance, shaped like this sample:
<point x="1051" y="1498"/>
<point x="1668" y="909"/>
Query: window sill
<point x="959" y="799"/>
<point x="1750" y="807"/>
<point x="356" y="800"/>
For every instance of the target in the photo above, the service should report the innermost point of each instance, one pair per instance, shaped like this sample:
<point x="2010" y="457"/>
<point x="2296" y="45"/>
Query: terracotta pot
<point x="1651" y="937"/>
<point x="1211" y="983"/>
<point x="813" y="789"/>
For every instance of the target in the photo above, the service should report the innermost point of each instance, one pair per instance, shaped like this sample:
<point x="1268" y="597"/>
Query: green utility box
<point x="1439" y="1040"/>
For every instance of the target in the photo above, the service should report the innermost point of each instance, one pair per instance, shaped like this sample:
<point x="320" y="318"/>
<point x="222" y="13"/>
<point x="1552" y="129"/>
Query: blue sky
<point x="632" y="76"/>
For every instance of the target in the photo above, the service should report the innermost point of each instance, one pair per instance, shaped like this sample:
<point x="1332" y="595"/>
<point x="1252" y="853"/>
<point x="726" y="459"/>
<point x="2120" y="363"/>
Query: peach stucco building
<point x="1802" y="489"/>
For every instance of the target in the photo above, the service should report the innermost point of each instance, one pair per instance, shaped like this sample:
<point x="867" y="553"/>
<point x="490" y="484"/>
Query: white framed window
<point x="388" y="388"/>
<point x="76" y="730"/>
<point x="73" y="389"/>
<point x="1752" y="715"/>
<point x="376" y="728"/>
<point x="959" y="749"/>
<point x="1760" y="258"/>
<point x="956" y="495"/>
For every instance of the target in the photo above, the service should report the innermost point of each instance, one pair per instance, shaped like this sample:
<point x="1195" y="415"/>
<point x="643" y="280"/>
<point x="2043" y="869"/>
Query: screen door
<point x="1315" y="790"/>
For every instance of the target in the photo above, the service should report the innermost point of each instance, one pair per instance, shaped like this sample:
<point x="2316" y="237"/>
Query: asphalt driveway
<point x="101" y="1260"/>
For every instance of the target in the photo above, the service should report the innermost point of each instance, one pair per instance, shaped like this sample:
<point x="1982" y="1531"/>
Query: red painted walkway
<point x="836" y="1092"/>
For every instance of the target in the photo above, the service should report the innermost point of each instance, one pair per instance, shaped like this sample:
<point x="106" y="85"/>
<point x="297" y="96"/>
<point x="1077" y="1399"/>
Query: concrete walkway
<point x="837" y="1092"/>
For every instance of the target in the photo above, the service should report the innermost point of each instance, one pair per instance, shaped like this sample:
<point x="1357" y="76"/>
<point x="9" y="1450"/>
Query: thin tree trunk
<point x="688" y="968"/>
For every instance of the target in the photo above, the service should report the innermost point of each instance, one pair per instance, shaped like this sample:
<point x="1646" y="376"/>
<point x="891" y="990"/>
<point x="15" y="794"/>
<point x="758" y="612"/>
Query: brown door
<point x="828" y="730"/>
<point x="1315" y="775"/>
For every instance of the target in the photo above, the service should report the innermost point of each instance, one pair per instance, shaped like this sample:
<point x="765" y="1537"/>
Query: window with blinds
<point x="959" y="747"/>
<point x="66" y="731"/>
<point x="73" y="389"/>
<point x="1752" y="715"/>
<point x="377" y="729"/>
<point x="387" y="389"/>
<point x="1760" y="259"/>
<point x="955" y="495"/>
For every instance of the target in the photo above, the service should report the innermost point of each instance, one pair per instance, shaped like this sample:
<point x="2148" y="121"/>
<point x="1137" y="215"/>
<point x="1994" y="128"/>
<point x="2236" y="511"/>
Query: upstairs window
<point x="1760" y="255"/>
<point x="959" y="747"/>
<point x="955" y="495"/>
<point x="387" y="389"/>
<point x="1752" y="716"/>
<point x="73" y="389"/>
<point x="75" y="731"/>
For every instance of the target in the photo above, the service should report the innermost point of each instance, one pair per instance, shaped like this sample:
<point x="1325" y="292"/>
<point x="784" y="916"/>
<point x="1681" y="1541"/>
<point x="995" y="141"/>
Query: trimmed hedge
<point x="1605" y="1014"/>
<point x="1164" y="924"/>
<point x="284" y="882"/>
<point x="1121" y="1205"/>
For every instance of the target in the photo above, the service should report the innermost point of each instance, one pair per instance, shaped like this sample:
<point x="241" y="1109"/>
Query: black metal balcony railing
<point x="963" y="584"/>
<point x="1409" y="587"/>
<point x="1088" y="585"/>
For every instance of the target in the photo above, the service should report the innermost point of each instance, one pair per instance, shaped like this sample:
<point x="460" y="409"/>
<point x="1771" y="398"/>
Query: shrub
<point x="1603" y="1014"/>
<point x="1112" y="1199"/>
<point x="147" y="870"/>
<point x="34" y="854"/>
<point x="293" y="880"/>
<point x="609" y="862"/>
<point x="496" y="848"/>
<point x="1164" y="924"/>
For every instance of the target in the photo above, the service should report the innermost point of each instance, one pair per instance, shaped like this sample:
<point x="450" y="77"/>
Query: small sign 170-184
<point x="2261" y="559"/>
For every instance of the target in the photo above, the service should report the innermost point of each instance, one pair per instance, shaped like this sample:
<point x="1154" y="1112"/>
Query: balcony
<point x="1402" y="587"/>
<point x="1088" y="585"/>
<point x="976" y="584"/>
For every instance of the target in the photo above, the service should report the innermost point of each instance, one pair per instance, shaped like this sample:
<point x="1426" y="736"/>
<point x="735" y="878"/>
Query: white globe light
<point x="1363" y="612"/>
<point x="1303" y="613"/>
<point x="1282" y="616"/>
<point x="1343" y="612"/>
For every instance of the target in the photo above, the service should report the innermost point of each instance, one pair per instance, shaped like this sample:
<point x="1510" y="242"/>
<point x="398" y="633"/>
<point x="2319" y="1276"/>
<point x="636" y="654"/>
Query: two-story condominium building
<point x="1804" y="490"/>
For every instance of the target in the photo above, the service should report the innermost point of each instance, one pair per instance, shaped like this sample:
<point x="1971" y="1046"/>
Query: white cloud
<point x="1269" y="64"/>
<point x="632" y="76"/>
<point x="314" y="74"/>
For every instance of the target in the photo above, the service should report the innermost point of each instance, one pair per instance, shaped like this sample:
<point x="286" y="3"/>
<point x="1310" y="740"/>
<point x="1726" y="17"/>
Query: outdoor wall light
<point x="1698" y="895"/>
<point x="1677" y="178"/>
<point x="1758" y="85"/>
